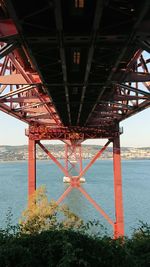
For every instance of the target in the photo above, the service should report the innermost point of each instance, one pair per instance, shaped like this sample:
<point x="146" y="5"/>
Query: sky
<point x="136" y="131"/>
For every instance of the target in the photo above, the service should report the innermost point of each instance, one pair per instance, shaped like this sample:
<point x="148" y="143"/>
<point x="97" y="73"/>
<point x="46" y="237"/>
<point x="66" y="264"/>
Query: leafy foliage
<point x="42" y="215"/>
<point x="67" y="248"/>
<point x="44" y="238"/>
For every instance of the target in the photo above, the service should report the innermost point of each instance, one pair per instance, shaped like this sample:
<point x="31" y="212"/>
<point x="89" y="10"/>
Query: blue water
<point x="99" y="184"/>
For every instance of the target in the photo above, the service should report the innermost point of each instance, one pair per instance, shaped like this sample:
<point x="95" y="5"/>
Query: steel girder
<point x="73" y="151"/>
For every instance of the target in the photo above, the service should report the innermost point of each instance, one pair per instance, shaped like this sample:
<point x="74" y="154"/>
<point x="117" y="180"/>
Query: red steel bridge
<point x="73" y="70"/>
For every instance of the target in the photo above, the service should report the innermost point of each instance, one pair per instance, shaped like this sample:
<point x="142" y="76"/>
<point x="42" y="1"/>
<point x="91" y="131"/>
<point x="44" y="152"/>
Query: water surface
<point x="99" y="184"/>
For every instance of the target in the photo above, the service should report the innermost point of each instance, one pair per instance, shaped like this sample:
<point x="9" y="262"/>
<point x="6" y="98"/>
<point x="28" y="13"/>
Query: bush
<point x="43" y="240"/>
<point x="43" y="215"/>
<point x="67" y="248"/>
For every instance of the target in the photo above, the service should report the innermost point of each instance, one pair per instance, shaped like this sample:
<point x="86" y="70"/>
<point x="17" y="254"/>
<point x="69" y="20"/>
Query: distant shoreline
<point x="20" y="154"/>
<point x="15" y="161"/>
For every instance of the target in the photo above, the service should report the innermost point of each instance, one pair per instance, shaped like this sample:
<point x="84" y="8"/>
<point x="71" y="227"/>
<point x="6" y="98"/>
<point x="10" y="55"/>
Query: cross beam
<point x="118" y="224"/>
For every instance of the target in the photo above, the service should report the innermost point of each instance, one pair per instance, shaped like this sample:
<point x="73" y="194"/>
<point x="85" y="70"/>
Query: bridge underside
<point x="73" y="70"/>
<point x="84" y="58"/>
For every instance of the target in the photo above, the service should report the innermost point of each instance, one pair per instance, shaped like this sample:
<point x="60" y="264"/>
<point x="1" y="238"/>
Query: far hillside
<point x="13" y="153"/>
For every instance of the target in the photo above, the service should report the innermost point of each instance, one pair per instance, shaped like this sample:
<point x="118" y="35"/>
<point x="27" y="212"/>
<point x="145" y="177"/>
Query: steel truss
<point x="73" y="156"/>
<point x="22" y="94"/>
<point x="131" y="93"/>
<point x="25" y="96"/>
<point x="71" y="133"/>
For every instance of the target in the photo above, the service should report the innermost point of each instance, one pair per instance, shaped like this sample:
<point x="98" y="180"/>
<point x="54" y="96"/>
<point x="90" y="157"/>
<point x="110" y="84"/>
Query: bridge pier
<point x="73" y="158"/>
<point x="31" y="167"/>
<point x="119" y="224"/>
<point x="66" y="157"/>
<point x="93" y="103"/>
<point x="80" y="157"/>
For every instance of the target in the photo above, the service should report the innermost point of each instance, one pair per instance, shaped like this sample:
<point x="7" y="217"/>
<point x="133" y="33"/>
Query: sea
<point x="99" y="185"/>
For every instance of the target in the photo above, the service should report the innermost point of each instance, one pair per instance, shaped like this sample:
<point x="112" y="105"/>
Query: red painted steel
<point x="96" y="206"/>
<point x="93" y="160"/>
<point x="75" y="183"/>
<point x="7" y="28"/>
<point x="21" y="92"/>
<point x="24" y="95"/>
<point x="54" y="159"/>
<point x="66" y="157"/>
<point x="73" y="157"/>
<point x="74" y="134"/>
<point x="119" y="224"/>
<point x="80" y="157"/>
<point x="31" y="167"/>
<point x="63" y="196"/>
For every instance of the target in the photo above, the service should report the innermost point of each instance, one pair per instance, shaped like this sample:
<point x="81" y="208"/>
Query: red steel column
<point x="66" y="157"/>
<point x="119" y="224"/>
<point x="98" y="154"/>
<point x="80" y="158"/>
<point x="31" y="167"/>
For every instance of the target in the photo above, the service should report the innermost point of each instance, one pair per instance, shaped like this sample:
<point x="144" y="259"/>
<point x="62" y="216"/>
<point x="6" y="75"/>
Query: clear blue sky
<point x="136" y="131"/>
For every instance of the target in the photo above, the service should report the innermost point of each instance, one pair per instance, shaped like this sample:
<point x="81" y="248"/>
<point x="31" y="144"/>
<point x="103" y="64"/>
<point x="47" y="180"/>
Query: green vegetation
<point x="42" y="215"/>
<point x="48" y="235"/>
<point x="67" y="248"/>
